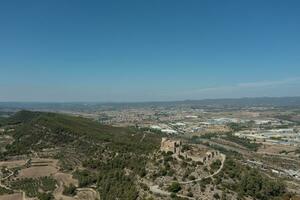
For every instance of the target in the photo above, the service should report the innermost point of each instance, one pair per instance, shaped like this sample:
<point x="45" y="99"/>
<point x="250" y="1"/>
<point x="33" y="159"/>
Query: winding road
<point x="155" y="188"/>
<point x="223" y="158"/>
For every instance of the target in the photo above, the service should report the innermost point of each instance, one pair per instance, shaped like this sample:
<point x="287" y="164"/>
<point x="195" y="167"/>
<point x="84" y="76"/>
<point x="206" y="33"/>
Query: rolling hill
<point x="99" y="156"/>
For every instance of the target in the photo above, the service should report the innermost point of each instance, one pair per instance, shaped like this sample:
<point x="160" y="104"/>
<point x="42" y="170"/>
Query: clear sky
<point x="148" y="50"/>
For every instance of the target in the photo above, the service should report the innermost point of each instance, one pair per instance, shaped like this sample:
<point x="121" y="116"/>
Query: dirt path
<point x="155" y="188"/>
<point x="58" y="192"/>
<point x="143" y="137"/>
<point x="4" y="186"/>
<point x="21" y="195"/>
<point x="87" y="194"/>
<point x="5" y="178"/>
<point x="82" y="193"/>
<point x="210" y="176"/>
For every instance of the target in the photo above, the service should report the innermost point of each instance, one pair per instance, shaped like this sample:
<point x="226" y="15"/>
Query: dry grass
<point x="66" y="179"/>
<point x="40" y="168"/>
<point x="12" y="164"/>
<point x="275" y="148"/>
<point x="17" y="196"/>
<point x="36" y="172"/>
<point x="87" y="194"/>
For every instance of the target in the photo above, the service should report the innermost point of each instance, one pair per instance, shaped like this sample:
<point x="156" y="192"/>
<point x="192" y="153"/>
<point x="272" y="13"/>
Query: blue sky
<point x="154" y="50"/>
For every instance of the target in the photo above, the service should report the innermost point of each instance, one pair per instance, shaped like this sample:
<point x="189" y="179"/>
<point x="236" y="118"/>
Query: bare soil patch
<point x="13" y="164"/>
<point x="40" y="168"/>
<point x="87" y="194"/>
<point x="17" y="196"/>
<point x="66" y="179"/>
<point x="275" y="148"/>
<point x="36" y="172"/>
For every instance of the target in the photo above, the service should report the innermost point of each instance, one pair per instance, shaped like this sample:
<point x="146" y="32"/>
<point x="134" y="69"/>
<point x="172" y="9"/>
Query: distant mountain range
<point x="218" y="103"/>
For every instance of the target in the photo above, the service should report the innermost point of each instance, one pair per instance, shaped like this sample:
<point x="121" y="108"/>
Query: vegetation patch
<point x="69" y="190"/>
<point x="33" y="187"/>
<point x="174" y="187"/>
<point x="249" y="182"/>
<point x="243" y="142"/>
<point x="104" y="151"/>
<point x="5" y="191"/>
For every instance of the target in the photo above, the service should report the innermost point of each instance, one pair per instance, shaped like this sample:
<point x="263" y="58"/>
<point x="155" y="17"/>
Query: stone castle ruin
<point x="168" y="145"/>
<point x="203" y="155"/>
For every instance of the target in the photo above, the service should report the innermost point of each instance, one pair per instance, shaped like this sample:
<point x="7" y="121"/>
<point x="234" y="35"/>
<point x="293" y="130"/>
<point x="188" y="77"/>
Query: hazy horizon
<point x="133" y="102"/>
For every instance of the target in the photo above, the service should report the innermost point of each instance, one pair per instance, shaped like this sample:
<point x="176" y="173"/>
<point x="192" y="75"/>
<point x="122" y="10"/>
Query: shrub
<point x="174" y="187"/>
<point x="70" y="190"/>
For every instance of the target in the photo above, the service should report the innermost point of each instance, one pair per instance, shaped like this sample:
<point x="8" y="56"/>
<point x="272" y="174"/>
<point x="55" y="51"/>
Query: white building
<point x="169" y="131"/>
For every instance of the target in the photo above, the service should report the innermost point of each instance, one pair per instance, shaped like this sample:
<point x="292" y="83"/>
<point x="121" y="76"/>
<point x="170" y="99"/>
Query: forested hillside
<point x="110" y="158"/>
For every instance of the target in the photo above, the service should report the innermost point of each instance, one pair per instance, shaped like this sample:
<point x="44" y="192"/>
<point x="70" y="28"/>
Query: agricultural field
<point x="16" y="196"/>
<point x="13" y="163"/>
<point x="39" y="168"/>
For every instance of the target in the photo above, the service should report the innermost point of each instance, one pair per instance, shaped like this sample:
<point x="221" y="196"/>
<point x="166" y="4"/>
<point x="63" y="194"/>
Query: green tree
<point x="174" y="187"/>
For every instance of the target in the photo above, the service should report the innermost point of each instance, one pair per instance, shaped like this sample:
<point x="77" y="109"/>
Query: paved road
<point x="155" y="188"/>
